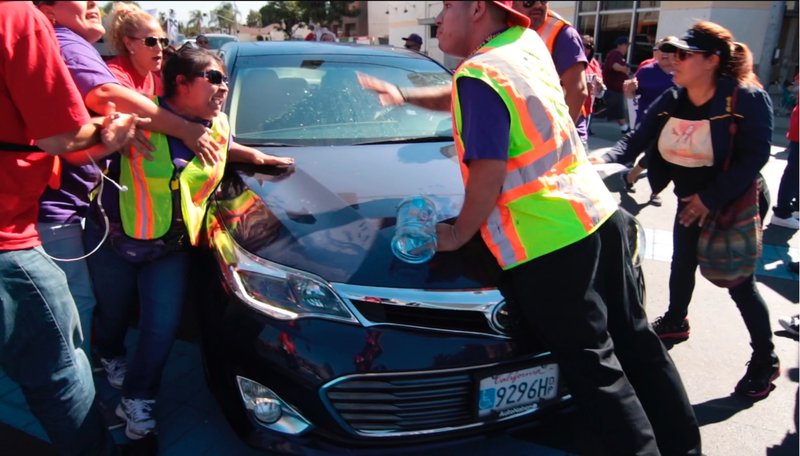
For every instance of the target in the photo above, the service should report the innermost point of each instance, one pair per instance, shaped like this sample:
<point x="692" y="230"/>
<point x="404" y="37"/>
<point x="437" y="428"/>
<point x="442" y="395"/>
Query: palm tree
<point x="195" y="21"/>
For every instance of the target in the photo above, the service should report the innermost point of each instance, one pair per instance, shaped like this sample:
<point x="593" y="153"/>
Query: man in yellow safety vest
<point x="553" y="227"/>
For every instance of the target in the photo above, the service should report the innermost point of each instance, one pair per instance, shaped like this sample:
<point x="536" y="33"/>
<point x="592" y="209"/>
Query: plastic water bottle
<point x="414" y="239"/>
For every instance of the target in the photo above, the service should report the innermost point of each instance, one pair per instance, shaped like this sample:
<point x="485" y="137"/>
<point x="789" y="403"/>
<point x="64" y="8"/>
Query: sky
<point x="183" y="8"/>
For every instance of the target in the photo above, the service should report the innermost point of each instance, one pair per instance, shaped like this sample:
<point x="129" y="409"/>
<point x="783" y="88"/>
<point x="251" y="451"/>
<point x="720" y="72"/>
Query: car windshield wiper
<point x="414" y="139"/>
<point x="266" y="144"/>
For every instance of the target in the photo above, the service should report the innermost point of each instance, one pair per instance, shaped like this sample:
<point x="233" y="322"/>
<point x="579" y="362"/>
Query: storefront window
<point x="587" y="6"/>
<point x="612" y="26"/>
<point x="616" y="5"/>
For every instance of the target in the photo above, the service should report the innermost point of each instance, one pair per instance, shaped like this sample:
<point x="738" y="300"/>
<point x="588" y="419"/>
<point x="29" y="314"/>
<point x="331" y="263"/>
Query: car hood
<point x="334" y="215"/>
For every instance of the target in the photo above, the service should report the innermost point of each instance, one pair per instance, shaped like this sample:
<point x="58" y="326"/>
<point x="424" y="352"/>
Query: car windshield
<point x="216" y="42"/>
<point x="317" y="100"/>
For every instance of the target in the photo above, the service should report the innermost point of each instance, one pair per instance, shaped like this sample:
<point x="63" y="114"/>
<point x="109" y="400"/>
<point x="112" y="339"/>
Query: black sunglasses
<point x="682" y="55"/>
<point x="151" y="41"/>
<point x="528" y="4"/>
<point x="213" y="76"/>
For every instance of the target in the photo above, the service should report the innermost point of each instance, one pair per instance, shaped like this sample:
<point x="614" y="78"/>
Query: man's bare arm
<point x="575" y="90"/>
<point x="436" y="98"/>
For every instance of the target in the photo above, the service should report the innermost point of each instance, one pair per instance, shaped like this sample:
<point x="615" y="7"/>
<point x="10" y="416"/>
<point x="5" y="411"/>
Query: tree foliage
<point x="253" y="19"/>
<point x="292" y="13"/>
<point x="224" y="17"/>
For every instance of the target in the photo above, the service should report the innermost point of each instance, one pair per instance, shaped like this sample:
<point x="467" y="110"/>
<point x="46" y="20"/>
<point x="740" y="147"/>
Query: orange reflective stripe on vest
<point x="551" y="196"/>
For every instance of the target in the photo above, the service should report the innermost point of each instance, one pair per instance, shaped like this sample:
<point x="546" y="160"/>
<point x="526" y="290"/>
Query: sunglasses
<point x="152" y="41"/>
<point x="681" y="54"/>
<point x="213" y="76"/>
<point x="528" y="4"/>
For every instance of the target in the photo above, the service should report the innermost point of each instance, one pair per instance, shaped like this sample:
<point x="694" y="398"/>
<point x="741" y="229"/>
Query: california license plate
<point x="515" y="392"/>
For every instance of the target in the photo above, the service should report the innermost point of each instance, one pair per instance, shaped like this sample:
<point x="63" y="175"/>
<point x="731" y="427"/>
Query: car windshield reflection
<point x="320" y="102"/>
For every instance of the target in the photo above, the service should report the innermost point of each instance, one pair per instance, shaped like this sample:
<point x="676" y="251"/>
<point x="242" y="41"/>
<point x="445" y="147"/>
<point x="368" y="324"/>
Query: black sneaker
<point x="668" y="329"/>
<point x="757" y="381"/>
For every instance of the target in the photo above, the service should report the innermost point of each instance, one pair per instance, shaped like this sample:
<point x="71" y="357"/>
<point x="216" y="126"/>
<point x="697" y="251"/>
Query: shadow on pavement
<point x="790" y="443"/>
<point x="720" y="409"/>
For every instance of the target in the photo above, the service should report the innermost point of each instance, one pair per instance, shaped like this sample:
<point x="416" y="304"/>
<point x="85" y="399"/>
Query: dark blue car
<point x="315" y="337"/>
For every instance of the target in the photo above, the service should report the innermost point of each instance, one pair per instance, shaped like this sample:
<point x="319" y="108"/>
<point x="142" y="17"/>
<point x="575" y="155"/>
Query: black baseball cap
<point x="414" y="38"/>
<point x="697" y="40"/>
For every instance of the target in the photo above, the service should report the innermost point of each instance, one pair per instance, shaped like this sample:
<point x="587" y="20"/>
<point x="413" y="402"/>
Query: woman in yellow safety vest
<point x="152" y="223"/>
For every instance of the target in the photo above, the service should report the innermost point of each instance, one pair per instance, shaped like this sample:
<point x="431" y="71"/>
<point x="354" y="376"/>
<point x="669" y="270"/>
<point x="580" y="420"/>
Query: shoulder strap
<point x="11" y="147"/>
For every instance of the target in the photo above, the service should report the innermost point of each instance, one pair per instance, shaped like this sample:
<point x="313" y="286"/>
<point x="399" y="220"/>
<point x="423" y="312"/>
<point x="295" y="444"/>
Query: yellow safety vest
<point x="146" y="208"/>
<point x="551" y="196"/>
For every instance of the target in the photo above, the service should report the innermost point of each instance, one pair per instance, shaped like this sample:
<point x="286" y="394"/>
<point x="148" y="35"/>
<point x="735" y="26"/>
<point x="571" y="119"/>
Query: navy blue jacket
<point x="751" y="145"/>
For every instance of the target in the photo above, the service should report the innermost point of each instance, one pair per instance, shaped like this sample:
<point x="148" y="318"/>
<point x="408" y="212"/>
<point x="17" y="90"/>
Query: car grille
<point x="394" y="405"/>
<point x="455" y="320"/>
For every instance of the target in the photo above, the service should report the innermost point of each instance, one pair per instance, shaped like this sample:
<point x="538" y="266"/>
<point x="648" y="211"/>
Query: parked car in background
<point x="315" y="338"/>
<point x="216" y="40"/>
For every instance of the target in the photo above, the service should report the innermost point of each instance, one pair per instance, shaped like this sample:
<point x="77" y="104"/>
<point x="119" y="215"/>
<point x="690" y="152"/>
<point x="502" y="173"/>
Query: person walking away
<point x="615" y="72"/>
<point x="39" y="329"/>
<point x="148" y="252"/>
<point x="690" y="127"/>
<point x="565" y="267"/>
<point x="784" y="214"/>
<point x="566" y="47"/>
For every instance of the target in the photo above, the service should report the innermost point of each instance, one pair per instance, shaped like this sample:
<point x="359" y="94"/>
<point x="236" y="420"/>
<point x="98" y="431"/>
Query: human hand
<point x="629" y="87"/>
<point x="695" y="212"/>
<point x="120" y="129"/>
<point x="388" y="93"/>
<point x="447" y="238"/>
<point x="595" y="159"/>
<point x="280" y="162"/>
<point x="200" y="140"/>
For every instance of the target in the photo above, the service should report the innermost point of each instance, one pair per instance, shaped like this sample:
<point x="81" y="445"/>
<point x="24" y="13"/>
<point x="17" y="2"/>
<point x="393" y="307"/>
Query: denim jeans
<point x="66" y="241"/>
<point x="39" y="349"/>
<point x="746" y="296"/>
<point x="161" y="289"/>
<point x="788" y="189"/>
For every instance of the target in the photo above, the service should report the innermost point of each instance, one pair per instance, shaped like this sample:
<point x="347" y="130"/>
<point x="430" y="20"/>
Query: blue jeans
<point x="788" y="189"/>
<point x="161" y="288"/>
<point x="66" y="241"/>
<point x="39" y="349"/>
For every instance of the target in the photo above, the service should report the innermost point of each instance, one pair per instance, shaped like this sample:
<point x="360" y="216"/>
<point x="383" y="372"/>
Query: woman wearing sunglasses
<point x="153" y="226"/>
<point x="690" y="129"/>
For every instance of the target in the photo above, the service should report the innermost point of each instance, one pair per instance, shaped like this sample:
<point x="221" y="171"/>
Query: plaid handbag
<point x="730" y="239"/>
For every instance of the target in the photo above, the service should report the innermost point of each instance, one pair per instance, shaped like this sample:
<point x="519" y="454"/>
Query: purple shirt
<point x="485" y="122"/>
<point x="567" y="51"/>
<point x="652" y="82"/>
<point x="70" y="203"/>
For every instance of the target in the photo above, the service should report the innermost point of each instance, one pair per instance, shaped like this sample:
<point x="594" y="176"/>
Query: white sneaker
<point x="788" y="222"/>
<point x="790" y="323"/>
<point x="115" y="368"/>
<point x="139" y="416"/>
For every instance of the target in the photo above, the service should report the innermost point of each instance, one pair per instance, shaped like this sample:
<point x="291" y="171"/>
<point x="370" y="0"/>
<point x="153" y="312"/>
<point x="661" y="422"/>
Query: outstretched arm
<point x="436" y="98"/>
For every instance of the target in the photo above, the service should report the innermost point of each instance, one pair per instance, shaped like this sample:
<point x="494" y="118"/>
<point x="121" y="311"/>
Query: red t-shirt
<point x="793" y="135"/>
<point x="37" y="100"/>
<point x="126" y="74"/>
<point x="592" y="68"/>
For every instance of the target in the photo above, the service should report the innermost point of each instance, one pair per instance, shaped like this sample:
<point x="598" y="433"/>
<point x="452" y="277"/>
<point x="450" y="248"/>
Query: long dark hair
<point x="187" y="62"/>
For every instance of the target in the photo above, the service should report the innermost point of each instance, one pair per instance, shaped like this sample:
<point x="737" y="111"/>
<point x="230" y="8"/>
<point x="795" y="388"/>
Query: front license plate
<point x="514" y="392"/>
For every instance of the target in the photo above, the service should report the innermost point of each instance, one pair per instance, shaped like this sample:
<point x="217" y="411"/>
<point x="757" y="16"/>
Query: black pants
<point x="583" y="302"/>
<point x="681" y="286"/>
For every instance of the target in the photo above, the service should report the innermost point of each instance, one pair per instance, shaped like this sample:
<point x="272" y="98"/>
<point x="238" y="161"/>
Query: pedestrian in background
<point x="690" y="127"/>
<point x="413" y="42"/>
<point x="648" y="83"/>
<point x="615" y="72"/>
<point x="202" y="41"/>
<point x="784" y="214"/>
<point x="566" y="48"/>
<point x="594" y="81"/>
<point x="40" y="334"/>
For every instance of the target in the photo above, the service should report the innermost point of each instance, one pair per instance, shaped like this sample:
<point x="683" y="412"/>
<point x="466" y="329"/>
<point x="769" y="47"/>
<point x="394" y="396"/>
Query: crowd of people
<point x="83" y="188"/>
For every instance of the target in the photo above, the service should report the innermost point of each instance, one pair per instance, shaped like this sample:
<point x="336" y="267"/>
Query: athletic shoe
<point x="790" y="324"/>
<point x="655" y="200"/>
<point x="628" y="186"/>
<point x="115" y="368"/>
<point x="788" y="222"/>
<point x="138" y="413"/>
<point x="669" y="330"/>
<point x="757" y="381"/>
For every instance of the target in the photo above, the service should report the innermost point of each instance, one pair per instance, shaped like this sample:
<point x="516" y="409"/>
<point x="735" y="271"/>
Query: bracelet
<point x="403" y="94"/>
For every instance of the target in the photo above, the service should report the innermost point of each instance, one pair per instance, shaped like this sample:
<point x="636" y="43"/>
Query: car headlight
<point x="275" y="290"/>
